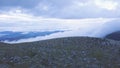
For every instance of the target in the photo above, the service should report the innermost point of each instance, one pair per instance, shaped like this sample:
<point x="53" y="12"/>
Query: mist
<point x="96" y="27"/>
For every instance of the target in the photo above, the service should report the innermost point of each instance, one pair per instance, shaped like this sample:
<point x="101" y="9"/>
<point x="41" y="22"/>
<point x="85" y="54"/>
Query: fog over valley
<point x="91" y="27"/>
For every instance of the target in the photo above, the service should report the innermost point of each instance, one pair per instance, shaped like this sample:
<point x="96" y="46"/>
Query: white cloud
<point x="93" y="27"/>
<point x="25" y="22"/>
<point x="85" y="27"/>
<point x="107" y="4"/>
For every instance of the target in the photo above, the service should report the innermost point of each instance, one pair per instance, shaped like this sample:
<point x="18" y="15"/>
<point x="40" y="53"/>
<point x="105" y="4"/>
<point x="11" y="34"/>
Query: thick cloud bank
<point x="96" y="27"/>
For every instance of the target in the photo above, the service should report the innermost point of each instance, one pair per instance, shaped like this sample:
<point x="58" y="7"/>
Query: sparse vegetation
<point x="72" y="52"/>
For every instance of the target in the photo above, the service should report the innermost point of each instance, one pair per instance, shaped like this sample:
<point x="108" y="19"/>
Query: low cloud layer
<point x="92" y="27"/>
<point x="84" y="27"/>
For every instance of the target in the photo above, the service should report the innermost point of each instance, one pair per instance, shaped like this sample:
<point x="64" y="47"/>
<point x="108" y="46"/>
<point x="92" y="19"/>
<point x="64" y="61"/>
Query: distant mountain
<point x="114" y="36"/>
<point x="14" y="36"/>
<point x="70" y="52"/>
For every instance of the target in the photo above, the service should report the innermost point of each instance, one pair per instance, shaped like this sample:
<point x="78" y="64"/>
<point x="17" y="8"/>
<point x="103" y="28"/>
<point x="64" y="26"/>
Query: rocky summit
<point x="69" y="52"/>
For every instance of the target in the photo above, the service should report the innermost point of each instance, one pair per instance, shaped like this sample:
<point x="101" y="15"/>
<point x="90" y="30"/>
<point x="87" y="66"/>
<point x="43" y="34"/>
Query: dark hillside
<point x="72" y="52"/>
<point x="114" y="36"/>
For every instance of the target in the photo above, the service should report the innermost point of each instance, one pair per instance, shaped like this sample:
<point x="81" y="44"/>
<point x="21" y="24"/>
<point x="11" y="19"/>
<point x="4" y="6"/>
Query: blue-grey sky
<point x="63" y="8"/>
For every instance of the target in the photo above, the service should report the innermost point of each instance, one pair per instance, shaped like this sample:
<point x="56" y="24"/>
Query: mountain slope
<point x="71" y="52"/>
<point x="114" y="36"/>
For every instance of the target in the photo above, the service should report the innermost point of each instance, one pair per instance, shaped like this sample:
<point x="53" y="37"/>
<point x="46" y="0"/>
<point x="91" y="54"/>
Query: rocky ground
<point x="72" y="52"/>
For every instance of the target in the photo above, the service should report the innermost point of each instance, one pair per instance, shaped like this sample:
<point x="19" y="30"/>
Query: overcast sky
<point x="41" y="15"/>
<point x="72" y="9"/>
